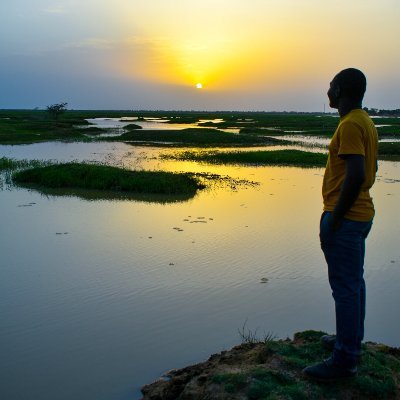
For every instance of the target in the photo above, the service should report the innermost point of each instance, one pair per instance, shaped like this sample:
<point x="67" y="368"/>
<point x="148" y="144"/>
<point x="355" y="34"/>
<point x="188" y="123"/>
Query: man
<point x="346" y="222"/>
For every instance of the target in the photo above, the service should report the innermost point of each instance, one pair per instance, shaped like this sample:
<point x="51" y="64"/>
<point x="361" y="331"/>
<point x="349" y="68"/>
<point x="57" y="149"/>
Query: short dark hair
<point x="352" y="83"/>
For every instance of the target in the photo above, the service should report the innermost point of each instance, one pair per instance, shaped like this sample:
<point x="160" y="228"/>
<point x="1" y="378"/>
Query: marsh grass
<point x="8" y="163"/>
<point x="202" y="137"/>
<point x="132" y="127"/>
<point x="11" y="164"/>
<point x="261" y="157"/>
<point x="31" y="126"/>
<point x="279" y="376"/>
<point x="248" y="336"/>
<point x="105" y="178"/>
<point x="24" y="131"/>
<point x="388" y="131"/>
<point x="389" y="148"/>
<point x="93" y="130"/>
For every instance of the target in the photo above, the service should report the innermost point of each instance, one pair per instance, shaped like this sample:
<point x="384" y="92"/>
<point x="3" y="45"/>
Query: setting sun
<point x="199" y="86"/>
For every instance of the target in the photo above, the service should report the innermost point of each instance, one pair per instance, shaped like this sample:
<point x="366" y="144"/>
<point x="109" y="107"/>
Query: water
<point x="101" y="297"/>
<point x="149" y="123"/>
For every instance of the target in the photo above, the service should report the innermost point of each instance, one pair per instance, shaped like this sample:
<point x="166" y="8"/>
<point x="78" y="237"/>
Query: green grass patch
<point x="389" y="131"/>
<point x="24" y="131"/>
<point x="93" y="130"/>
<point x="132" y="127"/>
<point x="389" y="148"/>
<point x="32" y="126"/>
<point x="8" y="163"/>
<point x="202" y="137"/>
<point x="280" y="377"/>
<point x="11" y="164"/>
<point x="83" y="176"/>
<point x="262" y="157"/>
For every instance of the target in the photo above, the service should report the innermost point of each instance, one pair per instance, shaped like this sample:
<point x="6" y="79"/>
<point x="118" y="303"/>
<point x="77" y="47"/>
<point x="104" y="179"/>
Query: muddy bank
<point x="272" y="370"/>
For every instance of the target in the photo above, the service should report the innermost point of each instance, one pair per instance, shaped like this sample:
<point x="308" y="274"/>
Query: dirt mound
<point x="272" y="370"/>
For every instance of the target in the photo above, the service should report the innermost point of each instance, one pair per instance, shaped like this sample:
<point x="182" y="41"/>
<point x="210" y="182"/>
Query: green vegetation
<point x="11" y="164"/>
<point x="248" y="336"/>
<point x="261" y="157"/>
<point x="132" y="127"/>
<point x="387" y="131"/>
<point x="93" y="130"/>
<point x="255" y="128"/>
<point x="275" y="372"/>
<point x="55" y="110"/>
<point x="204" y="137"/>
<point x="8" y="163"/>
<point x="80" y="176"/>
<point x="22" y="127"/>
<point x="389" y="149"/>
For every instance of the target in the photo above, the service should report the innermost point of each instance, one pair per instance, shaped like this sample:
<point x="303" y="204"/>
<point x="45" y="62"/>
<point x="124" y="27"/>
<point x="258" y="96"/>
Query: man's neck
<point x="346" y="105"/>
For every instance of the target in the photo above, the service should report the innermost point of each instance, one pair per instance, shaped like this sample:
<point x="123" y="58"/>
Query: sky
<point x="252" y="55"/>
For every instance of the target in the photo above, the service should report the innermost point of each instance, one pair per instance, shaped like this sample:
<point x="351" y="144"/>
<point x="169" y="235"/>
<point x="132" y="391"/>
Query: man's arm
<point x="354" y="178"/>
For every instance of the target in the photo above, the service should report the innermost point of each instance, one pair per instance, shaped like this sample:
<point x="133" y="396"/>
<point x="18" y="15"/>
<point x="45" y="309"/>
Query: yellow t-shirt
<point x="356" y="134"/>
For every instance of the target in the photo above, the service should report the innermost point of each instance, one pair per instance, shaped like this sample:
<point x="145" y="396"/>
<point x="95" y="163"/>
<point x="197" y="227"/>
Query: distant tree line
<point x="386" y="113"/>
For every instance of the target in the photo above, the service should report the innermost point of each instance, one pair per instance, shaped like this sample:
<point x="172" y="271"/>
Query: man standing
<point x="346" y="222"/>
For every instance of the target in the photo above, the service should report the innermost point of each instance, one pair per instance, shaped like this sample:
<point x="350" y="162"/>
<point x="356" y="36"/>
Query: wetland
<point x="104" y="292"/>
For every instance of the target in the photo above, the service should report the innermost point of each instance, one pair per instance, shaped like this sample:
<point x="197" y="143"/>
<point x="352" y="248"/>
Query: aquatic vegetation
<point x="31" y="126"/>
<point x="389" y="131"/>
<point x="21" y="131"/>
<point x="93" y="130"/>
<point x="203" y="137"/>
<point x="7" y="163"/>
<point x="106" y="178"/>
<point x="11" y="164"/>
<point x="389" y="149"/>
<point x="132" y="127"/>
<point x="260" y="157"/>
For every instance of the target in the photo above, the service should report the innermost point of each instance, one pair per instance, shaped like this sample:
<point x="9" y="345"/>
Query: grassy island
<point x="262" y="157"/>
<point x="389" y="149"/>
<point x="83" y="176"/>
<point x="11" y="164"/>
<point x="255" y="128"/>
<point x="272" y="370"/>
<point x="23" y="127"/>
<point x="202" y="137"/>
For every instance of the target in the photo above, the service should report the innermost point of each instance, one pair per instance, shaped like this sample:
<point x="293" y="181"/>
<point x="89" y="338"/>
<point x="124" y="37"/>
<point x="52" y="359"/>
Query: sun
<point x="199" y="86"/>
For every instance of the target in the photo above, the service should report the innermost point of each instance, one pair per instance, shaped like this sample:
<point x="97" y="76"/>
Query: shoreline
<point x="271" y="369"/>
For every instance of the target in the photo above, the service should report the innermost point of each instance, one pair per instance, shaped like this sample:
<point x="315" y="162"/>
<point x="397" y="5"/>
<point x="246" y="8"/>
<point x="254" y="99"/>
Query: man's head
<point x="348" y="84"/>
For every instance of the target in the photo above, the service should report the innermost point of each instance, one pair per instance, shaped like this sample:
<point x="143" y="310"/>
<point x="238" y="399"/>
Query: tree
<point x="57" y="109"/>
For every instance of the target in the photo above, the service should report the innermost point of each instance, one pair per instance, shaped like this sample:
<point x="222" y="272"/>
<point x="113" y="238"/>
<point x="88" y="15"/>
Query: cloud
<point x="93" y="43"/>
<point x="55" y="10"/>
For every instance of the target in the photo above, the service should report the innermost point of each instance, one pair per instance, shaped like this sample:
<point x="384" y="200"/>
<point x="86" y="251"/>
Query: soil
<point x="230" y="375"/>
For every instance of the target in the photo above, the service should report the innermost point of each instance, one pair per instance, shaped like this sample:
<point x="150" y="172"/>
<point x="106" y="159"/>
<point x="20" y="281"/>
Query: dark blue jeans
<point x="344" y="251"/>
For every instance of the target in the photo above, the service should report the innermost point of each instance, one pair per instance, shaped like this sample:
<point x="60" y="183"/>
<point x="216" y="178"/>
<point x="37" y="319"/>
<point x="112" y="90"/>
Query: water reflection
<point x="118" y="124"/>
<point x="93" y="195"/>
<point x="101" y="297"/>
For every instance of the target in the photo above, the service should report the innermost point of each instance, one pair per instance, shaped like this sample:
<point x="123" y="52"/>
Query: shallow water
<point x="100" y="297"/>
<point x="150" y="123"/>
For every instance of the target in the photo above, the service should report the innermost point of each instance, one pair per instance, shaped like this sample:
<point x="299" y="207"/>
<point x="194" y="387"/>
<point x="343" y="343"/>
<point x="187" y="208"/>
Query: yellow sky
<point x="225" y="44"/>
<point x="161" y="49"/>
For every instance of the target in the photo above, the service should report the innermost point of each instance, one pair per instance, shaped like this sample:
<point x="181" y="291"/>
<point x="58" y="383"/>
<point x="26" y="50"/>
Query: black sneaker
<point x="328" y="341"/>
<point x="328" y="371"/>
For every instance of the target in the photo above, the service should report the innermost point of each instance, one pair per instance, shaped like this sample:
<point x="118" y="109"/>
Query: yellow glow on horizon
<point x="227" y="50"/>
<point x="239" y="63"/>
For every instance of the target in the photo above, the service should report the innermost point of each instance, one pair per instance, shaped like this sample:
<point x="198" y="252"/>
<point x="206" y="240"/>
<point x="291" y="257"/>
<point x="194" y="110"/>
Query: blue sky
<point x="247" y="54"/>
